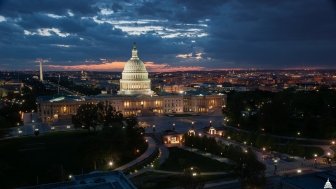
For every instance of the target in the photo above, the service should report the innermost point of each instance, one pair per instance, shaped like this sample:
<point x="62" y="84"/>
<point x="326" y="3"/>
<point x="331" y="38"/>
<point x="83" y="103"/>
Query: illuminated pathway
<point x="150" y="150"/>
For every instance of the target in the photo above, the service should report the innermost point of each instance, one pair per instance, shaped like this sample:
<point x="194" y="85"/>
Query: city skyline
<point x="172" y="36"/>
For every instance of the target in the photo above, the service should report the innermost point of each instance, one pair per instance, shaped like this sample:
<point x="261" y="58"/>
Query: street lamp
<point x="275" y="166"/>
<point x="333" y="142"/>
<point x="299" y="171"/>
<point x="110" y="164"/>
<point x="315" y="159"/>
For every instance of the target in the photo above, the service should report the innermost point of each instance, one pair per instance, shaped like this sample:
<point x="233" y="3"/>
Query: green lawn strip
<point x="301" y="151"/>
<point x="180" y="159"/>
<point x="151" y="180"/>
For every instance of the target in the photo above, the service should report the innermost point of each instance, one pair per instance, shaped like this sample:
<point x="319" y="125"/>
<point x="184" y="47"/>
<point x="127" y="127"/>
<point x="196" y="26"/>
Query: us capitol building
<point x="135" y="97"/>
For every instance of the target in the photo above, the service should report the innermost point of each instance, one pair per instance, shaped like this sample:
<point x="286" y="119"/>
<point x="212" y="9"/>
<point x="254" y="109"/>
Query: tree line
<point x="289" y="112"/>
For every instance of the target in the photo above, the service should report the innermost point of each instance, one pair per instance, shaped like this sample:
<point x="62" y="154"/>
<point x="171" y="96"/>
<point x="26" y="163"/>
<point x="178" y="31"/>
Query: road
<point x="29" y="129"/>
<point x="182" y="124"/>
<point x="149" y="151"/>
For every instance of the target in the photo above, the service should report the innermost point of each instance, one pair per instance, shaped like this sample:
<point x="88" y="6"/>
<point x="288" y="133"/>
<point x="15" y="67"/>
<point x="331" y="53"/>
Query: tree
<point x="86" y="117"/>
<point x="191" y="178"/>
<point x="250" y="171"/>
<point x="108" y="115"/>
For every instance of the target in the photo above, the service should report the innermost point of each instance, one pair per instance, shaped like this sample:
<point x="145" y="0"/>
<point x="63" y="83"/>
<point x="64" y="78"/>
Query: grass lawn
<point x="180" y="159"/>
<point x="162" y="181"/>
<point x="301" y="151"/>
<point x="52" y="157"/>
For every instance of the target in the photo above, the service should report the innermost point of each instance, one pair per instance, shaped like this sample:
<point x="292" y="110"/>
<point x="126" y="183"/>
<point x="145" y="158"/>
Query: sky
<point x="171" y="35"/>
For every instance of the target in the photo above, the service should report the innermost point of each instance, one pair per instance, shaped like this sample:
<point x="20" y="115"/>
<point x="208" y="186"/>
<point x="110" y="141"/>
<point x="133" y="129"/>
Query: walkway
<point x="150" y="150"/>
<point x="208" y="155"/>
<point x="163" y="154"/>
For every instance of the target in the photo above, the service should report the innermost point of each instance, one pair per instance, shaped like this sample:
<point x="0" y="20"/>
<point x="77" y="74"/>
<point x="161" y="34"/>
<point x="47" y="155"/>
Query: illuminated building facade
<point x="135" y="97"/>
<point x="135" y="79"/>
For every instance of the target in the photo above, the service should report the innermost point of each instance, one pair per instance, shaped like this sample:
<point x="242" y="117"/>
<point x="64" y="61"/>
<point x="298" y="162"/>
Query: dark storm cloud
<point x="211" y="34"/>
<point x="15" y="7"/>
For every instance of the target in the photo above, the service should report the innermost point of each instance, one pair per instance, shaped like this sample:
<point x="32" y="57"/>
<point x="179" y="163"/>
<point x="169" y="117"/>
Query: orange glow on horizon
<point x="119" y="66"/>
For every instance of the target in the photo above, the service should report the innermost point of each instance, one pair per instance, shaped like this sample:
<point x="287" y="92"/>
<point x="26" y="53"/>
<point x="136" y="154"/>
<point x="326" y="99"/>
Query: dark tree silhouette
<point x="87" y="117"/>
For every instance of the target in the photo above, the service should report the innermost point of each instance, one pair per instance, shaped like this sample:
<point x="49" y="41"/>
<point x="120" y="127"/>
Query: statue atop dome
<point x="134" y="51"/>
<point x="134" y="80"/>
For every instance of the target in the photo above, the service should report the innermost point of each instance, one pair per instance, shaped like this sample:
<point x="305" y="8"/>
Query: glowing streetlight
<point x="110" y="163"/>
<point x="299" y="171"/>
<point x="333" y="142"/>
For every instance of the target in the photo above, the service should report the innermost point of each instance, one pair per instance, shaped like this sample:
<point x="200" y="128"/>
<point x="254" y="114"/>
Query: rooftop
<point x="94" y="180"/>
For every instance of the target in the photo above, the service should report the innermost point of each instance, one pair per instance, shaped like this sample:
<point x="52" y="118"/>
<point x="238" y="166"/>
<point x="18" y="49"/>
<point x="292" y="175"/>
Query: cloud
<point x="47" y="32"/>
<point x="2" y="19"/>
<point x="55" y="16"/>
<point x="196" y="56"/>
<point x="187" y="34"/>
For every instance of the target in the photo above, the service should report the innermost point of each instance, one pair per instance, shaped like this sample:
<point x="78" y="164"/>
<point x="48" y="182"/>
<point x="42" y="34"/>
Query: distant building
<point x="174" y="88"/>
<point x="172" y="138"/>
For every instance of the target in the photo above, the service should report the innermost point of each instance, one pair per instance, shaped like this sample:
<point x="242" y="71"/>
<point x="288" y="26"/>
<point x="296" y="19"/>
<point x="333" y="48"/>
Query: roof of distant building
<point x="94" y="180"/>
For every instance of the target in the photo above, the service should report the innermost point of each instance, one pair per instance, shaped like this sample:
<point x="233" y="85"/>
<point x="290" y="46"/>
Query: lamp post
<point x="110" y="164"/>
<point x="173" y="126"/>
<point x="329" y="158"/>
<point x="315" y="159"/>
<point x="275" y="166"/>
<point x="153" y="128"/>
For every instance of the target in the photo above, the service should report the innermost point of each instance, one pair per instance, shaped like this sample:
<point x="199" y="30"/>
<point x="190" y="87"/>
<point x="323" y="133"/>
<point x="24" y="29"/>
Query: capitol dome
<point x="328" y="185"/>
<point x="134" y="79"/>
